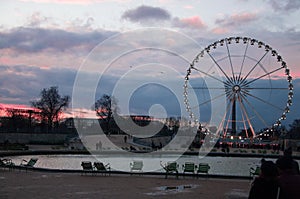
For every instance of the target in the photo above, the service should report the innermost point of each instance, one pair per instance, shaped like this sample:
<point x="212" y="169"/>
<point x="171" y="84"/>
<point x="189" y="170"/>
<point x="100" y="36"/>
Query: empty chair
<point x="87" y="166"/>
<point x="136" y="166"/>
<point x="7" y="163"/>
<point x="203" y="168"/>
<point x="189" y="167"/>
<point x="255" y="171"/>
<point x="29" y="163"/>
<point x="100" y="167"/>
<point x="171" y="167"/>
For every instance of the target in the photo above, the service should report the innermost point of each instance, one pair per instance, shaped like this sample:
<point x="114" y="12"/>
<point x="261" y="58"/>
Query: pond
<point x="232" y="166"/>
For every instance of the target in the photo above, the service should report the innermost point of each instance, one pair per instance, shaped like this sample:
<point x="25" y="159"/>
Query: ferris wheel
<point x="251" y="77"/>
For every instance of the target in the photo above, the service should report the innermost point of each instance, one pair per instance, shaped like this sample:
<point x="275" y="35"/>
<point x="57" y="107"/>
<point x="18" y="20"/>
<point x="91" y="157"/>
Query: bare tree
<point x="18" y="119"/>
<point x="294" y="132"/>
<point x="105" y="107"/>
<point x="51" y="105"/>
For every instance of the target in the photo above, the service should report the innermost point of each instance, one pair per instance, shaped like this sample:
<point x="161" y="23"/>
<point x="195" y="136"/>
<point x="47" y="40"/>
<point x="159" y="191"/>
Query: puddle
<point x="236" y="194"/>
<point x="39" y="177"/>
<point x="165" y="190"/>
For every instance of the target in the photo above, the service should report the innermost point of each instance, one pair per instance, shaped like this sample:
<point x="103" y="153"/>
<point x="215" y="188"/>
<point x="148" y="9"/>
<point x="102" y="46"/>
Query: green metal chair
<point x="100" y="167"/>
<point x="189" y="167"/>
<point x="203" y="168"/>
<point x="7" y="163"/>
<point x="136" y="166"/>
<point x="255" y="171"/>
<point x="87" y="166"/>
<point x="29" y="163"/>
<point x="171" y="167"/>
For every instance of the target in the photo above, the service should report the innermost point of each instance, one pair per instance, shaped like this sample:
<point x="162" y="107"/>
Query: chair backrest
<point x="172" y="166"/>
<point x="3" y="162"/>
<point x="87" y="165"/>
<point x="99" y="166"/>
<point x="257" y="171"/>
<point x="137" y="165"/>
<point x="189" y="166"/>
<point x="203" y="168"/>
<point x="31" y="162"/>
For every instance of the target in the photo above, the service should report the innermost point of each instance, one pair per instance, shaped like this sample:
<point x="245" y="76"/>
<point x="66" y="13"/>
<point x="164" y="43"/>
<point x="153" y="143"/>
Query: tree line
<point x="47" y="110"/>
<point x="45" y="113"/>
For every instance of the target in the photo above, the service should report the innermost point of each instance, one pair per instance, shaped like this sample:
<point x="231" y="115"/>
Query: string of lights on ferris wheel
<point x="238" y="87"/>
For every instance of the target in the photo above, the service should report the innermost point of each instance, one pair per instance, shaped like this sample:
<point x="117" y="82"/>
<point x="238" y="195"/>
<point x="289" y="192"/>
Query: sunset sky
<point x="43" y="43"/>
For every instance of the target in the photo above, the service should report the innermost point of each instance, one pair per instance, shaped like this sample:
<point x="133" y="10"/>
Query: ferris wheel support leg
<point x="233" y="117"/>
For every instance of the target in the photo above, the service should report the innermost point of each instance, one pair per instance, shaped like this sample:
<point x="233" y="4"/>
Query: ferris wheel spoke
<point x="265" y="102"/>
<point x="258" y="62"/>
<point x="209" y="75"/>
<point x="221" y="124"/>
<point x="254" y="110"/>
<point x="247" y="117"/>
<point x="267" y="88"/>
<point x="269" y="73"/>
<point x="227" y="115"/>
<point x="229" y="96"/>
<point x="210" y="100"/>
<point x="206" y="88"/>
<point x="244" y="120"/>
<point x="224" y="117"/>
<point x="219" y="67"/>
<point x="230" y="61"/>
<point x="244" y="58"/>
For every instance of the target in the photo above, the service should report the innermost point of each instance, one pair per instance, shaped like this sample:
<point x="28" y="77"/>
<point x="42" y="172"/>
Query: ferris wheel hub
<point x="236" y="88"/>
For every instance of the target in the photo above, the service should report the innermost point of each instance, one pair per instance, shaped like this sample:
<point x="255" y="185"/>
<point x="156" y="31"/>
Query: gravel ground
<point x="33" y="184"/>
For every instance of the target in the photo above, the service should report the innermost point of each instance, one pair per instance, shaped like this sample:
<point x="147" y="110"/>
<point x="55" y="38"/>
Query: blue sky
<point x="44" y="43"/>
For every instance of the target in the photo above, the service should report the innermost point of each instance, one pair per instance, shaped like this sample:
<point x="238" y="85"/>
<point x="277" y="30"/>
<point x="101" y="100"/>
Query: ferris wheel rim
<point x="235" y="82"/>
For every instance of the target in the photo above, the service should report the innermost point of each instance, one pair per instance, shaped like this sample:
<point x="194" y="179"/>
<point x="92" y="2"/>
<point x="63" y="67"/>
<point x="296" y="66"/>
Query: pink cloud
<point x="6" y="60"/>
<point x="72" y="1"/>
<point x="17" y="106"/>
<point x="244" y="17"/>
<point x="4" y="107"/>
<point x="189" y="7"/>
<point x="194" y="22"/>
<point x="85" y="113"/>
<point x="220" y="31"/>
<point x="237" y="19"/>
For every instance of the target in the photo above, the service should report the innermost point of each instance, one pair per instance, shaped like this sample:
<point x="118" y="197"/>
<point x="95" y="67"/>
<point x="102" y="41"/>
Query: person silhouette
<point x="288" y="153"/>
<point x="266" y="185"/>
<point x="289" y="182"/>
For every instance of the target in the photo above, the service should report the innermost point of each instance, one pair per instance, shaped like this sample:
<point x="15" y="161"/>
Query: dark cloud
<point x="20" y="84"/>
<point x="25" y="40"/>
<point x="285" y="5"/>
<point x="146" y="13"/>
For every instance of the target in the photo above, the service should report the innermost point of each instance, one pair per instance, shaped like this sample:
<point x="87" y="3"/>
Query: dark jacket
<point x="289" y="185"/>
<point x="264" y="188"/>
